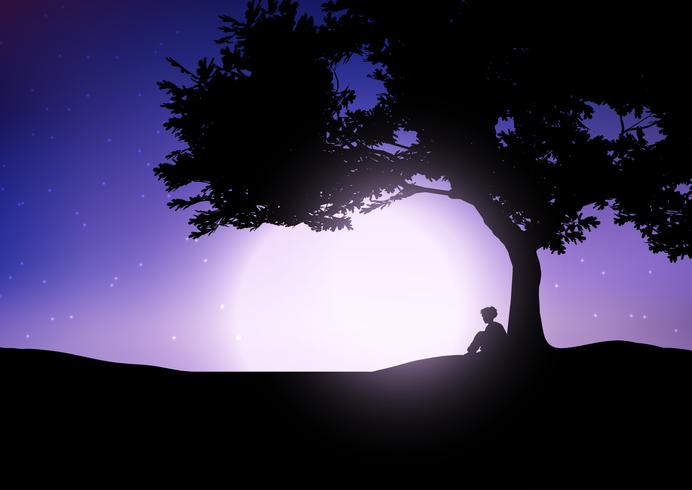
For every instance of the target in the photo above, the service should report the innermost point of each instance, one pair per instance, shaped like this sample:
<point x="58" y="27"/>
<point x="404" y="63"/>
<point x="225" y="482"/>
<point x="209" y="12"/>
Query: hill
<point x="614" y="414"/>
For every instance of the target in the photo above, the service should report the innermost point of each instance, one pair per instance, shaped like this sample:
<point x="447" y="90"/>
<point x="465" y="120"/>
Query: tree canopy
<point x="272" y="135"/>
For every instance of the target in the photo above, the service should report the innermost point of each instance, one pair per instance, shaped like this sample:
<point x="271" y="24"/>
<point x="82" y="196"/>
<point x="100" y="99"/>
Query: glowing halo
<point x="399" y="287"/>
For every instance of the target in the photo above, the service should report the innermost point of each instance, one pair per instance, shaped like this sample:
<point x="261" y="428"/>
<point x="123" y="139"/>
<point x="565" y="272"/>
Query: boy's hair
<point x="490" y="311"/>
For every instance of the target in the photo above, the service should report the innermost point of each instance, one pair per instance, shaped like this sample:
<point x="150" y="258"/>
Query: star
<point x="631" y="315"/>
<point x="643" y="317"/>
<point x="557" y="285"/>
<point x="595" y="315"/>
<point x="27" y="336"/>
<point x="675" y="330"/>
<point x="581" y="260"/>
<point x="141" y="264"/>
<point x="71" y="317"/>
<point x="174" y="338"/>
<point x="603" y="273"/>
<point x="222" y="307"/>
<point x="205" y="261"/>
<point x="239" y="338"/>
<point x="650" y="271"/>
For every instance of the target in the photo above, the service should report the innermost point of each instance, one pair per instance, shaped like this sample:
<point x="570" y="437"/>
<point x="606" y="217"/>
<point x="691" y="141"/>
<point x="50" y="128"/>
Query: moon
<point x="407" y="283"/>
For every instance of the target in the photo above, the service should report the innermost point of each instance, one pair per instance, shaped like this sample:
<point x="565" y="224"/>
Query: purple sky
<point x="93" y="263"/>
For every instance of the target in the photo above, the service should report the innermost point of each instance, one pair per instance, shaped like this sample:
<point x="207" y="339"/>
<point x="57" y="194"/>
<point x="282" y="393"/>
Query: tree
<point x="272" y="136"/>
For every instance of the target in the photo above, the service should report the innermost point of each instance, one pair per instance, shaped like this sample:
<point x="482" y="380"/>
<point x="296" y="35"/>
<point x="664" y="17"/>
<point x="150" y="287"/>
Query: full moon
<point x="407" y="283"/>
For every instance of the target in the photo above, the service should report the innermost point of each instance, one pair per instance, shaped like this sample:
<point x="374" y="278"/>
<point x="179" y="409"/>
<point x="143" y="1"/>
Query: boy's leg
<point x="477" y="343"/>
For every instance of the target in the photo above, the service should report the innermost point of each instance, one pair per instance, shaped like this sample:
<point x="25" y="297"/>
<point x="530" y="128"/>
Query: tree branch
<point x="641" y="127"/>
<point x="501" y="226"/>
<point x="381" y="153"/>
<point x="336" y="76"/>
<point x="493" y="216"/>
<point x="407" y="190"/>
<point x="416" y="189"/>
<point x="634" y="126"/>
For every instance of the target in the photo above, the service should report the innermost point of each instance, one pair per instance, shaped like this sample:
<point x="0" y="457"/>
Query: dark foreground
<point x="607" y="415"/>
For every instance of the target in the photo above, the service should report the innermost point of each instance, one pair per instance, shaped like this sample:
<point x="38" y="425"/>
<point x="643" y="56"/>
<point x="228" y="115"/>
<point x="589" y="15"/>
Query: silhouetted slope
<point x="610" y="415"/>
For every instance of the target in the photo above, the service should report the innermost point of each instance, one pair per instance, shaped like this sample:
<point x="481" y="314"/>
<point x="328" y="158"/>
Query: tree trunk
<point x="524" y="327"/>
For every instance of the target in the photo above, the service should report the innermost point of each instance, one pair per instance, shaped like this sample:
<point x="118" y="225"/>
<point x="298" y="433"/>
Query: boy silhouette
<point x="494" y="335"/>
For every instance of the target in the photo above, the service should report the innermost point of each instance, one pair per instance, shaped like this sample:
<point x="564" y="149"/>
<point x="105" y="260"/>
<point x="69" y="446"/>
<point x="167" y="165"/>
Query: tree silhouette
<point x="272" y="136"/>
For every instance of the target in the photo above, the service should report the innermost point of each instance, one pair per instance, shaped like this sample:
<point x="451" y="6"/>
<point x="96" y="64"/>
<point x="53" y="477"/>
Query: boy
<point x="494" y="335"/>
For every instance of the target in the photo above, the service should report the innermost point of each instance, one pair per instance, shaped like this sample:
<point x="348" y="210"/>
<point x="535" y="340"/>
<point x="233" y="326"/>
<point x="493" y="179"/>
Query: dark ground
<point x="607" y="415"/>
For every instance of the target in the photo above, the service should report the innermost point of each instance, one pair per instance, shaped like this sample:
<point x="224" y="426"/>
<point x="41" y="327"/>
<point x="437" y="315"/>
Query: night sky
<point x="92" y="262"/>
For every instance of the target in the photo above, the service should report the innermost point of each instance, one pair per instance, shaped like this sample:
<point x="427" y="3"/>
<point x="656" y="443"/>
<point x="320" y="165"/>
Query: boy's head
<point x="489" y="313"/>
